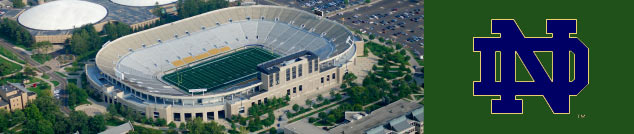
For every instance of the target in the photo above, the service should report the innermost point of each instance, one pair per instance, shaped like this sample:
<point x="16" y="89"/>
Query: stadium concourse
<point x="220" y="63"/>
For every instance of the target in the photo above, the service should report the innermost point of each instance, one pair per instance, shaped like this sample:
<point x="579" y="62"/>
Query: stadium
<point x="220" y="63"/>
<point x="71" y="14"/>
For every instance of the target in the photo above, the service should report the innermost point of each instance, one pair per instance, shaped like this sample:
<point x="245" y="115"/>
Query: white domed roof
<point x="62" y="15"/>
<point x="143" y="2"/>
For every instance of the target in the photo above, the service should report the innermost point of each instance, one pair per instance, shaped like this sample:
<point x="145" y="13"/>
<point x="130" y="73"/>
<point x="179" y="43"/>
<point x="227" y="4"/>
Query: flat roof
<point x="143" y="2"/>
<point x="303" y="127"/>
<point x="377" y="117"/>
<point x="62" y="15"/>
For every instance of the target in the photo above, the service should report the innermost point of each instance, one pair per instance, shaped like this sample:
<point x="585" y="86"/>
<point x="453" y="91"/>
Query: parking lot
<point x="398" y="20"/>
<point x="324" y="5"/>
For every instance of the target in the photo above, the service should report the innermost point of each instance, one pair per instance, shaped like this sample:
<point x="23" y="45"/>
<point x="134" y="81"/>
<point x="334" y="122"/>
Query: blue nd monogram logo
<point x="556" y="89"/>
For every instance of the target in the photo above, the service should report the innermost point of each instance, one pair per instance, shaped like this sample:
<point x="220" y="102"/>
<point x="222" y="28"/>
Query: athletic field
<point x="222" y="71"/>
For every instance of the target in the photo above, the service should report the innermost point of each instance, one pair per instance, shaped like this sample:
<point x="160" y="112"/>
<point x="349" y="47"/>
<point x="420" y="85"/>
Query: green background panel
<point x="604" y="26"/>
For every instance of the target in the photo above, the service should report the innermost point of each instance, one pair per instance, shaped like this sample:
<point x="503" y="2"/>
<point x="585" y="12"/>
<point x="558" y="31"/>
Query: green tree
<point x="295" y="107"/>
<point x="97" y="124"/>
<point x="272" y="130"/>
<point x="372" y="36"/>
<point x="18" y="3"/>
<point x="171" y="125"/>
<point x="367" y="1"/>
<point x="77" y="96"/>
<point x="309" y="102"/>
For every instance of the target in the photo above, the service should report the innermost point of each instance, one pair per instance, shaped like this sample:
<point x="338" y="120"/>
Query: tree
<point x="29" y="71"/>
<point x="309" y="102"/>
<point x="97" y="124"/>
<point x="346" y="2"/>
<point x="331" y="118"/>
<point x="398" y="46"/>
<point x="18" y="3"/>
<point x="322" y="115"/>
<point x="320" y="97"/>
<point x="182" y="127"/>
<point x="367" y="1"/>
<point x="85" y="39"/>
<point x="295" y="107"/>
<point x="372" y="36"/>
<point x="172" y="125"/>
<point x="76" y="95"/>
<point x="112" y="109"/>
<point x="272" y="130"/>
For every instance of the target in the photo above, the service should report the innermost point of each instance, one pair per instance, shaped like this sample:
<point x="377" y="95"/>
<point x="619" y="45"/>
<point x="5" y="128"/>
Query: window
<point x="310" y="67"/>
<point x="177" y="116"/>
<point x="299" y="70"/>
<point x="316" y="65"/>
<point x="188" y="116"/>
<point x="199" y="115"/>
<point x="288" y="91"/>
<point x="277" y="78"/>
<point x="210" y="115"/>
<point x="333" y="76"/>
<point x="294" y="74"/>
<point x="322" y="79"/>
<point x="288" y="74"/>
<point x="294" y="90"/>
<point x="271" y="80"/>
<point x="327" y="77"/>
<point x="221" y="114"/>
<point x="300" y="88"/>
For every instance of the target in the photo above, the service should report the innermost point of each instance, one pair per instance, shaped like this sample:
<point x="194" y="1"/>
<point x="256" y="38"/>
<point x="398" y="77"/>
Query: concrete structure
<point x="316" y="52"/>
<point x="400" y="117"/>
<point x="62" y="15"/>
<point x="14" y="96"/>
<point x="302" y="127"/>
<point x="53" y="21"/>
<point x="143" y="2"/>
<point x="121" y="129"/>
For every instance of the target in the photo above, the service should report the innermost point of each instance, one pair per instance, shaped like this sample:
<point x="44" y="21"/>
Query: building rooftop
<point x="62" y="15"/>
<point x="377" y="118"/>
<point x="115" y="12"/>
<point x="303" y="127"/>
<point x="272" y="65"/>
<point x="121" y="129"/>
<point x="143" y="2"/>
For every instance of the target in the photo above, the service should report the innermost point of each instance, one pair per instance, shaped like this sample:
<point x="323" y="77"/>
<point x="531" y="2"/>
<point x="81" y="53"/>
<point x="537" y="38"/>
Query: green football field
<point x="222" y="71"/>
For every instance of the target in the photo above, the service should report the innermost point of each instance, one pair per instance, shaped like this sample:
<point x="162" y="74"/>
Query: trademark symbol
<point x="581" y="116"/>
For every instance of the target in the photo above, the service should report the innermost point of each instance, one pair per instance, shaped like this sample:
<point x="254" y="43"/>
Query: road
<point x="43" y="69"/>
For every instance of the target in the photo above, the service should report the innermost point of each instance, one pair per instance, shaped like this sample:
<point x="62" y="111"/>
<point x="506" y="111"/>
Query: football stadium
<point x="220" y="63"/>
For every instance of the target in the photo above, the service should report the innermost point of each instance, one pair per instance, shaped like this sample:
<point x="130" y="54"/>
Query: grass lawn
<point x="45" y="76"/>
<point x="55" y="83"/>
<point x="60" y="74"/>
<point x="41" y="58"/>
<point x="10" y="55"/>
<point x="314" y="112"/>
<point x="114" y="122"/>
<point x="222" y="71"/>
<point x="12" y="67"/>
<point x="37" y="89"/>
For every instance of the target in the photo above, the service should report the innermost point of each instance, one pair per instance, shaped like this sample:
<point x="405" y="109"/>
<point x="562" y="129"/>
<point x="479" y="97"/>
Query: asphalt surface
<point x="387" y="23"/>
<point x="395" y="28"/>
<point x="44" y="69"/>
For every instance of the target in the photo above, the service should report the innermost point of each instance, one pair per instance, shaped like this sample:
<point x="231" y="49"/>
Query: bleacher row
<point x="285" y="30"/>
